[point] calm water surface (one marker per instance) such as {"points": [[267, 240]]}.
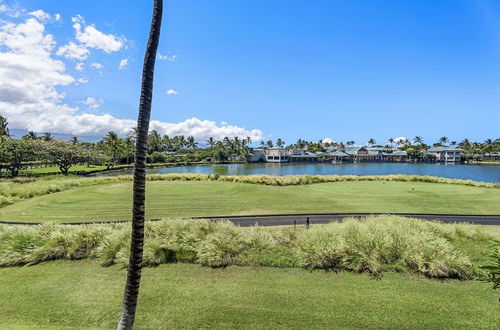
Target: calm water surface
{"points": [[488, 173]]}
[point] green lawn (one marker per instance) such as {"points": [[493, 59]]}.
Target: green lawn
{"points": [[56, 170], [208, 198], [82, 294]]}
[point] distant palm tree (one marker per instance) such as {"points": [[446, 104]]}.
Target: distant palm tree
{"points": [[74, 140], [269, 143], [191, 143], [30, 136], [391, 141], [181, 141], [4, 130], [211, 142], [443, 140], [114, 144], [418, 140], [371, 141], [155, 143], [465, 144], [139, 190], [280, 143], [47, 137]]}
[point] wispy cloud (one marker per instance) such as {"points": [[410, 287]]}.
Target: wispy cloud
{"points": [[93, 103], [170, 58], [96, 66], [123, 63], [172, 92]]}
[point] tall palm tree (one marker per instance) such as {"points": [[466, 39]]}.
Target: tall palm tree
{"points": [[371, 141], [139, 190]]}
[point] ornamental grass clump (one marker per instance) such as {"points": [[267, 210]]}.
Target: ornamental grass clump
{"points": [[371, 245], [28, 245], [382, 243]]}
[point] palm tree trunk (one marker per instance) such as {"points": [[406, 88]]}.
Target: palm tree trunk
{"points": [[139, 192]]}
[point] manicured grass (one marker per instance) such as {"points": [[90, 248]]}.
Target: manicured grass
{"points": [[76, 169], [83, 294], [208, 198]]}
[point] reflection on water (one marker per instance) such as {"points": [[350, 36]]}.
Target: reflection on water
{"points": [[488, 173]]}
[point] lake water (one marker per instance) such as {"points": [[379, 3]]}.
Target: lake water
{"points": [[488, 173]]}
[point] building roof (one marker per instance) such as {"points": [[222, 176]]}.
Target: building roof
{"points": [[305, 155], [351, 150], [440, 149], [338, 154]]}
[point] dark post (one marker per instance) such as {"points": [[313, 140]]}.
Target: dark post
{"points": [[307, 222]]}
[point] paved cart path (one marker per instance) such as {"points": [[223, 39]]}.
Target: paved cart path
{"points": [[315, 218]]}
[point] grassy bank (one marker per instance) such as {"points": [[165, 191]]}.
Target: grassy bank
{"points": [[372, 245], [93, 199], [81, 294]]}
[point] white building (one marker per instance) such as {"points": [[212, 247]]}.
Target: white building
{"points": [[445, 154]]}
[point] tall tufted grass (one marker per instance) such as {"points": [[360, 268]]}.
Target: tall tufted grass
{"points": [[372, 245]]}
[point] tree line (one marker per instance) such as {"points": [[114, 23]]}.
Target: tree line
{"points": [[34, 150]]}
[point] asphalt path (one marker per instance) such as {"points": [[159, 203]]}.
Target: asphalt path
{"points": [[315, 218]]}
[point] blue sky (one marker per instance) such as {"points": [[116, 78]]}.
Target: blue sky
{"points": [[346, 70]]}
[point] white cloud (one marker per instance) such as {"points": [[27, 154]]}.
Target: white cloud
{"points": [[11, 11], [170, 58], [327, 140], [96, 65], [30, 77], [40, 14], [172, 92], [93, 38], [123, 63], [79, 66], [73, 51], [28, 72], [203, 129], [57, 17], [93, 103], [83, 80], [400, 139]]}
